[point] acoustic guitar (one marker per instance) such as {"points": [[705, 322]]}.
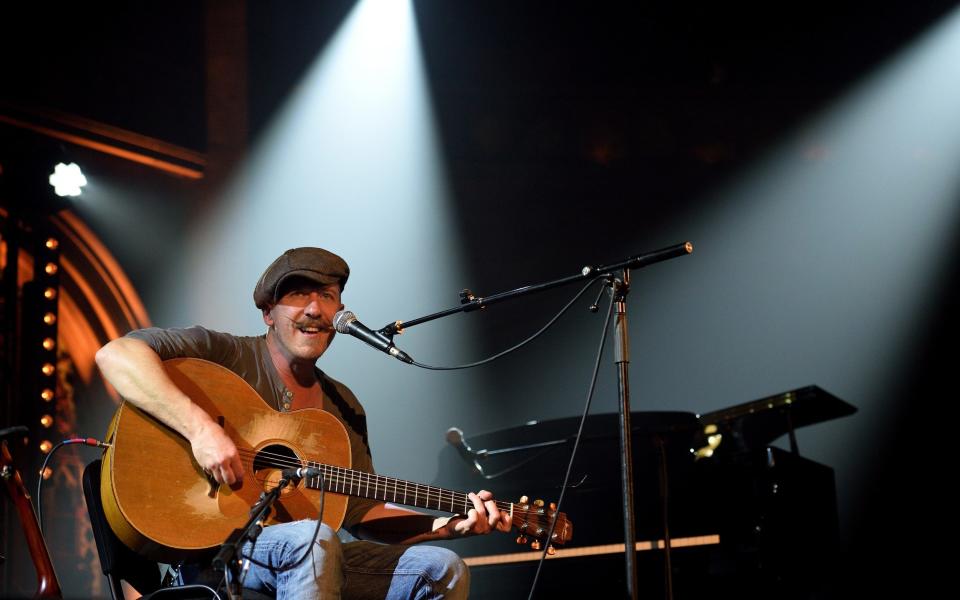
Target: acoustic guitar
{"points": [[161, 504]]}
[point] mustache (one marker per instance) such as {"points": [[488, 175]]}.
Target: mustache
{"points": [[321, 324]]}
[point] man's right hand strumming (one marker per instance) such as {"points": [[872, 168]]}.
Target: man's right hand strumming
{"points": [[216, 454]]}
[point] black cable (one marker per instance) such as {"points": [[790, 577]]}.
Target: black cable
{"points": [[43, 470], [576, 443], [86, 441], [178, 592], [309, 549], [521, 344]]}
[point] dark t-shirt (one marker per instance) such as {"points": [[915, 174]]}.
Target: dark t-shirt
{"points": [[249, 358]]}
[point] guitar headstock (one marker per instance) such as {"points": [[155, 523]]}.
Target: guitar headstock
{"points": [[533, 520]]}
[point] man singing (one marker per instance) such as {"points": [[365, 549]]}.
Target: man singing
{"points": [[298, 294]]}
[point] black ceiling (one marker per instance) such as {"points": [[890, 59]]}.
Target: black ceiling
{"points": [[624, 65]]}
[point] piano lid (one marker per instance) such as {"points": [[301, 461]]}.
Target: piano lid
{"points": [[548, 443], [742, 428], [760, 422]]}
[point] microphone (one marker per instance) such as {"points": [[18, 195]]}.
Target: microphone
{"points": [[346, 322], [300, 473], [455, 439]]}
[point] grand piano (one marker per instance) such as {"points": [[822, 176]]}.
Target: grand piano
{"points": [[729, 513]]}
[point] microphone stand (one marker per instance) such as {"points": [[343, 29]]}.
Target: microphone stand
{"points": [[621, 287], [622, 359], [228, 557]]}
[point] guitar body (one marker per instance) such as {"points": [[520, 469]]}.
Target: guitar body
{"points": [[159, 501]]}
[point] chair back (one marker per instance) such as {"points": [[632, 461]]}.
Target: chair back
{"points": [[117, 561]]}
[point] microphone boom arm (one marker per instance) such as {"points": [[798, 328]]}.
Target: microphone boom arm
{"points": [[471, 303]]}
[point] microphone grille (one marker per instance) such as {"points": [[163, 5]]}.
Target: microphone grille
{"points": [[342, 319], [455, 436]]}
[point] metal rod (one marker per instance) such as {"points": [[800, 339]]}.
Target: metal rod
{"points": [[622, 360], [635, 262]]}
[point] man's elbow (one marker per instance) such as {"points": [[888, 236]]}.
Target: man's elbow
{"points": [[109, 354]]}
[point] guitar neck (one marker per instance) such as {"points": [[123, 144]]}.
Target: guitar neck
{"points": [[350, 482]]}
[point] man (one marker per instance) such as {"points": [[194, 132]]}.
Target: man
{"points": [[299, 294]]}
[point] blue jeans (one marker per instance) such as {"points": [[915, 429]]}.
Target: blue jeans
{"points": [[354, 570]]}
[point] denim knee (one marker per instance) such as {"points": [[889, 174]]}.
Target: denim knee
{"points": [[450, 574], [327, 544], [292, 539], [283, 546]]}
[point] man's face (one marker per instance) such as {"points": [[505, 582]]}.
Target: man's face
{"points": [[302, 319]]}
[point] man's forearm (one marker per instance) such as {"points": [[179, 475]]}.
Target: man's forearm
{"points": [[395, 525], [137, 373]]}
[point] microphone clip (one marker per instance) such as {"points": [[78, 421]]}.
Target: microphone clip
{"points": [[295, 474], [391, 329]]}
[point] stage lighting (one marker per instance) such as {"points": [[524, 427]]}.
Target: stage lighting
{"points": [[67, 179]]}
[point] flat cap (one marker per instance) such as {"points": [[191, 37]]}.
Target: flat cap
{"points": [[315, 264]]}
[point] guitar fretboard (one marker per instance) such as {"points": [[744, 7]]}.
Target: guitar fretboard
{"points": [[350, 482]]}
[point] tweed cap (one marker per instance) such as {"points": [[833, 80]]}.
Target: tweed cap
{"points": [[315, 264]]}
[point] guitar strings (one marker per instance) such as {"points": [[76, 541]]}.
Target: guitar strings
{"points": [[344, 477]]}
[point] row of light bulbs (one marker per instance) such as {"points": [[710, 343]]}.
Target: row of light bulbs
{"points": [[49, 344]]}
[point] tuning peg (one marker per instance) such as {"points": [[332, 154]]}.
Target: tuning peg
{"points": [[551, 550], [522, 539], [524, 500], [535, 544], [538, 503]]}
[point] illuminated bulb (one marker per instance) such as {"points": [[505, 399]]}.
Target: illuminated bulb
{"points": [[51, 268], [46, 420], [48, 369], [52, 243], [47, 473], [50, 293], [45, 446], [49, 318], [67, 180], [49, 344], [47, 395]]}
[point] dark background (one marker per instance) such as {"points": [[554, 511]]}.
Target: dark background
{"points": [[572, 133]]}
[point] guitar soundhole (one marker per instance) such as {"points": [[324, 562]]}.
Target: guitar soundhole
{"points": [[273, 457]]}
